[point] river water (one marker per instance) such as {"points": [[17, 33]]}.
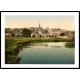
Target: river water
{"points": [[47, 53]]}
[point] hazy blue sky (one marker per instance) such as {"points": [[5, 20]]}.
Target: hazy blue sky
{"points": [[17, 21]]}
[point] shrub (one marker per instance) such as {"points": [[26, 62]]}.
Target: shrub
{"points": [[69, 44]]}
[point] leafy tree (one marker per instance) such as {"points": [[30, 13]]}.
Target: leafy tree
{"points": [[26, 33], [33, 35], [40, 35], [13, 35], [8, 30], [52, 35], [62, 34], [46, 31], [16, 30]]}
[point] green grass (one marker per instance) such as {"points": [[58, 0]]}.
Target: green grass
{"points": [[38, 39]]}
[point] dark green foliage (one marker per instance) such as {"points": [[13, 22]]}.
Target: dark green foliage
{"points": [[62, 34], [26, 33], [8, 30], [40, 36], [16, 30], [13, 35], [33, 35], [46, 31], [70, 44]]}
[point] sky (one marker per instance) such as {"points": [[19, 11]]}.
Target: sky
{"points": [[24, 21]]}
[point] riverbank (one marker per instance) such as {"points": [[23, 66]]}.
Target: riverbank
{"points": [[39, 39]]}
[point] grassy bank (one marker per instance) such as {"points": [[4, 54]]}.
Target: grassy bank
{"points": [[40, 39]]}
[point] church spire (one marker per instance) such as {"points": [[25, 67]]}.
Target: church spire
{"points": [[39, 25]]}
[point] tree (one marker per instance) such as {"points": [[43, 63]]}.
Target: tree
{"points": [[40, 36], [33, 35], [46, 31], [8, 30], [26, 32], [49, 36], [52, 35], [13, 35], [62, 34], [16, 30]]}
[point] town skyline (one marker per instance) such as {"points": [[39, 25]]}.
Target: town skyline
{"points": [[62, 22]]}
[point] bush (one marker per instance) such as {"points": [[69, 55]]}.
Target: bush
{"points": [[70, 44]]}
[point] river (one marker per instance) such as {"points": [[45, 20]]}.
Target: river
{"points": [[47, 53]]}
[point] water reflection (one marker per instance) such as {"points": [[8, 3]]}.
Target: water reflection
{"points": [[47, 53], [47, 45]]}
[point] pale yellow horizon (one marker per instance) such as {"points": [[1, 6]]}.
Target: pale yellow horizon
{"points": [[17, 21]]}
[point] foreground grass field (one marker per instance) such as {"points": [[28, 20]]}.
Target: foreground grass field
{"points": [[13, 46]]}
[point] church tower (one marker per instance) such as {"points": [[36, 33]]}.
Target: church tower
{"points": [[39, 25]]}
